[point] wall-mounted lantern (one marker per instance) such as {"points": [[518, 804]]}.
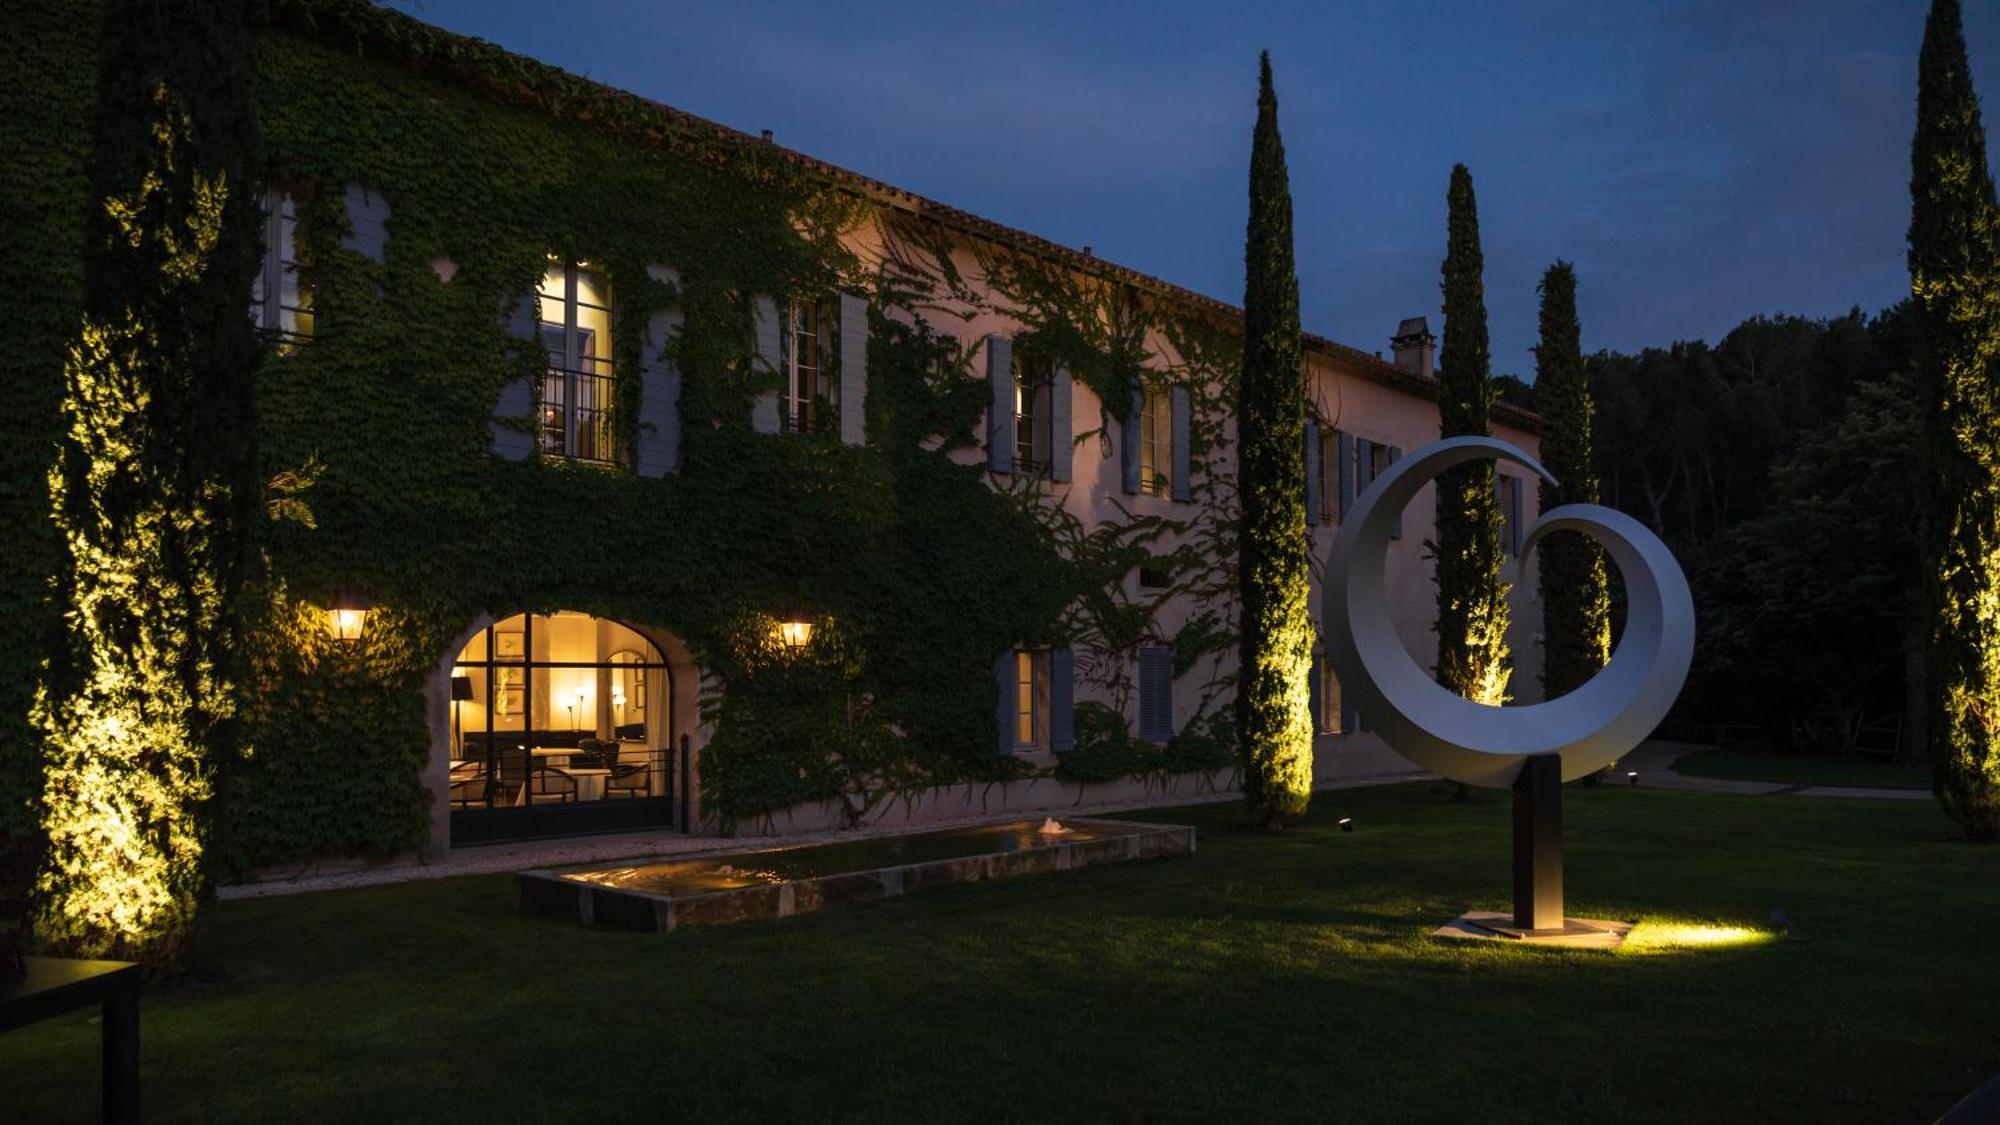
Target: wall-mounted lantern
{"points": [[347, 616], [795, 629]]}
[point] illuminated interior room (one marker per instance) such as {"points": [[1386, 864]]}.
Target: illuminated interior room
{"points": [[559, 720]]}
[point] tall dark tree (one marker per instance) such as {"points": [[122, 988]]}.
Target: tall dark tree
{"points": [[1576, 598], [1953, 278], [1273, 723], [1471, 598], [154, 489]]}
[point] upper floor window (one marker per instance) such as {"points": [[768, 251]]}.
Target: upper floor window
{"points": [[577, 390], [1328, 485], [1156, 443], [812, 392], [281, 296], [1034, 415]]}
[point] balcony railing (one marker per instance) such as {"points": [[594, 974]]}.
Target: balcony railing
{"points": [[577, 416]]}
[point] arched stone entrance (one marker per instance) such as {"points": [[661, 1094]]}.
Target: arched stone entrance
{"points": [[560, 724]]}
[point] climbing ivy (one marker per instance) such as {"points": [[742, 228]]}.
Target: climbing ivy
{"points": [[44, 187], [375, 437]]}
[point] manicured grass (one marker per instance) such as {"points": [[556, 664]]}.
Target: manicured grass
{"points": [[1270, 977], [1782, 768]]}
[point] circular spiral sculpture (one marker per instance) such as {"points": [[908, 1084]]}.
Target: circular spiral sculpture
{"points": [[1588, 728]]}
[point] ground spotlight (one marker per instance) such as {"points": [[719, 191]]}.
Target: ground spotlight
{"points": [[1632, 777], [1347, 824]]}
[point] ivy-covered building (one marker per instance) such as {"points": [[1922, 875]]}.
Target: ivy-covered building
{"points": [[626, 470]]}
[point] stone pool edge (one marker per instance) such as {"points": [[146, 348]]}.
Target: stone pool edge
{"points": [[544, 892]]}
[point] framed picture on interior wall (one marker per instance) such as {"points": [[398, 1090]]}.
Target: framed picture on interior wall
{"points": [[507, 691], [509, 644]]}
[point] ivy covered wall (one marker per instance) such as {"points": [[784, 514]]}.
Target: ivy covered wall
{"points": [[919, 565], [43, 186]]}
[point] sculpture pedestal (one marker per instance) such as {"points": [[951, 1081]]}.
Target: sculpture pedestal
{"points": [[1538, 844], [1538, 873], [1594, 933]]}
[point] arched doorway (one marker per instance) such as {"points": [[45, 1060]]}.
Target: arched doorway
{"points": [[563, 724]]}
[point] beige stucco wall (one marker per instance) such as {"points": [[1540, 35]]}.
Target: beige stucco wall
{"points": [[1343, 397]]}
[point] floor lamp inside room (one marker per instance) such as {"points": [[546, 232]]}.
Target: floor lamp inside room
{"points": [[461, 691]]}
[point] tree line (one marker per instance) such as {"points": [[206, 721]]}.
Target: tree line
{"points": [[1831, 486]]}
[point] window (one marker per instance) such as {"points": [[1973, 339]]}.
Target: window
{"points": [[1156, 443], [1034, 415], [558, 709], [1329, 475], [1327, 721], [577, 391], [812, 389], [1031, 694], [1153, 577], [1378, 462], [281, 304]]}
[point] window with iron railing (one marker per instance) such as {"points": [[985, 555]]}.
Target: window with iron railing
{"points": [[577, 391], [1330, 471], [812, 384], [281, 296], [1156, 443], [1034, 416]]}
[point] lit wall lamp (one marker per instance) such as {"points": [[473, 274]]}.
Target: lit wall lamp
{"points": [[795, 629], [348, 615]]}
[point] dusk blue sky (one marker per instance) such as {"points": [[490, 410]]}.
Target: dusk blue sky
{"points": [[1699, 161]]}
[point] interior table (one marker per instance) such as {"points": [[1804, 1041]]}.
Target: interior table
{"points": [[589, 781], [55, 985]]}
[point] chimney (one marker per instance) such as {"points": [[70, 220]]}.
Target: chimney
{"points": [[1415, 347]]}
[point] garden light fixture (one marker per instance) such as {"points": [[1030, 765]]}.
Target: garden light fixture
{"points": [[348, 615], [795, 629]]}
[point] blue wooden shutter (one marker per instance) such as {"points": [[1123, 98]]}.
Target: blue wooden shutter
{"points": [[367, 222], [659, 431], [1156, 693], [1183, 458], [511, 427], [1000, 413], [853, 369], [1061, 443], [1313, 455], [1007, 688], [1062, 700], [768, 338], [1396, 529], [1344, 447], [1128, 441]]}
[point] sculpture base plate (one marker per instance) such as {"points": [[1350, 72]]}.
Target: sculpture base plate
{"points": [[1591, 933]]}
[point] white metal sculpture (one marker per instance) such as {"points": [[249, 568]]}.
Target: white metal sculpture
{"points": [[1486, 746]]}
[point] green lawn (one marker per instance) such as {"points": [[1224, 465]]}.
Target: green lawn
{"points": [[1783, 768], [1270, 977]]}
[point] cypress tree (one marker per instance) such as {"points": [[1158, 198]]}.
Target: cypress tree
{"points": [[154, 490], [1273, 723], [1953, 276], [1471, 598], [1576, 600]]}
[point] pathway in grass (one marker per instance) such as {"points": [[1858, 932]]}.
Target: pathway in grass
{"points": [[1795, 769], [1278, 976]]}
